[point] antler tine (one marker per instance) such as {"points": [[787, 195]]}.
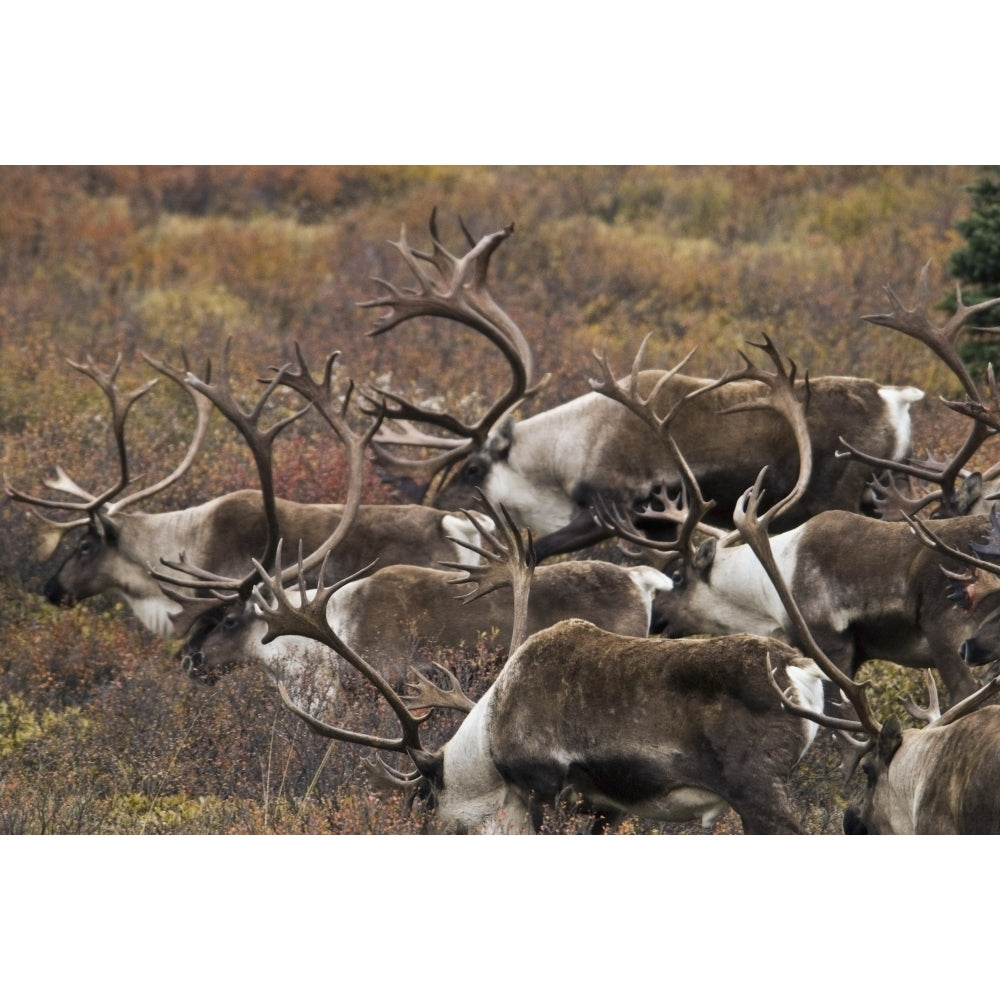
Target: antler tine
{"points": [[933, 710], [63, 483], [687, 511], [783, 399], [629, 396], [384, 776], [355, 443], [308, 619], [755, 535], [928, 537], [50, 533], [509, 562], [783, 375], [453, 288], [967, 705], [986, 413], [260, 443], [430, 695], [203, 411], [121, 403], [916, 323], [832, 722], [407, 436], [891, 503]]}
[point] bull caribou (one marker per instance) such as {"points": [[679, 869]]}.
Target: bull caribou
{"points": [[549, 469], [119, 544], [942, 779], [400, 615], [665, 730], [867, 588]]}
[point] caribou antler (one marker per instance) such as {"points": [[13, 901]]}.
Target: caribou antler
{"points": [[933, 710], [978, 409], [782, 398], [942, 340], [991, 547], [88, 503], [451, 288], [307, 617], [508, 561], [689, 509], [428, 695], [753, 530], [319, 395], [628, 394]]}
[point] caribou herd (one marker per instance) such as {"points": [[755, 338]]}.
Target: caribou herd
{"points": [[687, 677]]}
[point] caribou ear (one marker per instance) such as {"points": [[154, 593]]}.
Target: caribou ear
{"points": [[430, 765], [501, 439], [889, 740], [705, 556]]}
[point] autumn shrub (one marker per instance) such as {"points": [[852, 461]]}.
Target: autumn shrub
{"points": [[100, 731]]}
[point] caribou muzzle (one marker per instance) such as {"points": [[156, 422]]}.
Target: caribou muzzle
{"points": [[57, 594]]}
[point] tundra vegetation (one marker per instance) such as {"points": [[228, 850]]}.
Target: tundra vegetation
{"points": [[100, 729]]}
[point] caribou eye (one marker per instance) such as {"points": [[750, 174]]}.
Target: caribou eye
{"points": [[869, 771], [677, 578]]}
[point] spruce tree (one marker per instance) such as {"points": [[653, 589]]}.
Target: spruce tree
{"points": [[977, 267]]}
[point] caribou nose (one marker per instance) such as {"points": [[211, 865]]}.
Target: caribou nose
{"points": [[973, 654], [191, 664], [56, 594]]}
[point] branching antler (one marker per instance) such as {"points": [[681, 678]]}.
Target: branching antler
{"points": [[687, 511], [319, 395], [991, 547], [942, 340], [306, 616], [88, 503], [754, 533], [690, 507], [429, 695], [508, 561], [628, 394], [451, 288]]}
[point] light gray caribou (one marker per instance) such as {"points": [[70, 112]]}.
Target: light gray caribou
{"points": [[400, 615], [611, 724], [549, 469], [941, 779], [119, 544]]}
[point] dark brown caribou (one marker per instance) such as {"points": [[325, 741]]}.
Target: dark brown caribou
{"points": [[867, 588], [666, 730], [549, 469], [941, 779]]}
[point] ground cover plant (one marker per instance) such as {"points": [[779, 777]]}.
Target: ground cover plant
{"points": [[100, 731]]}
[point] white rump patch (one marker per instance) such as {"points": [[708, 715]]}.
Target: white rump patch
{"points": [[898, 399], [458, 529], [806, 680], [650, 581]]}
